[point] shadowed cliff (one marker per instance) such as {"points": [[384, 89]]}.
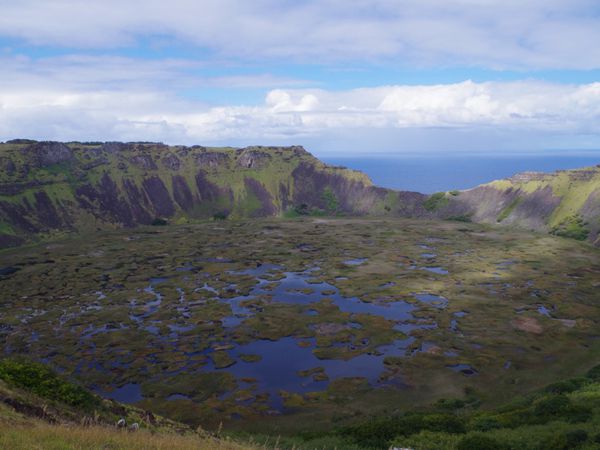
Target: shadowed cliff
{"points": [[565, 203], [50, 186]]}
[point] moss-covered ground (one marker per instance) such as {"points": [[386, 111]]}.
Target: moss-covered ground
{"points": [[175, 318]]}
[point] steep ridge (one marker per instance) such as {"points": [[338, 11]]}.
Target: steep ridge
{"points": [[565, 203], [48, 187]]}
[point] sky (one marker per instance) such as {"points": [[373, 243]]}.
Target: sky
{"points": [[341, 77]]}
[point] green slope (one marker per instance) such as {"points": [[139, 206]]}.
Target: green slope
{"points": [[565, 203]]}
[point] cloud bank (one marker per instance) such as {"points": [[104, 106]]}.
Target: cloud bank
{"points": [[556, 34], [116, 98]]}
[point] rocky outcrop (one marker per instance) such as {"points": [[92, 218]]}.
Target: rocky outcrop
{"points": [[310, 185], [257, 189], [159, 196], [211, 160], [171, 162], [252, 158], [590, 212], [512, 206], [105, 202], [42, 154], [139, 204], [114, 147], [7, 166], [145, 162], [182, 193]]}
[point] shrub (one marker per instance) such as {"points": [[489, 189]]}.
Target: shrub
{"points": [[478, 442], [330, 200], [552, 406], [375, 433], [578, 413], [427, 440], [435, 201], [450, 403], [446, 423], [557, 441], [571, 227], [485, 423], [566, 386], [378, 433], [302, 209], [221, 215], [576, 437], [21, 141], [158, 222], [460, 218], [594, 373], [514, 418], [40, 380], [564, 441]]}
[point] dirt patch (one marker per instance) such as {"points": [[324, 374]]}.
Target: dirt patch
{"points": [[527, 324]]}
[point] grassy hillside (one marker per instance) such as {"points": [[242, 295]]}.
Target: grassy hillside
{"points": [[49, 188], [561, 416], [41, 410], [565, 203]]}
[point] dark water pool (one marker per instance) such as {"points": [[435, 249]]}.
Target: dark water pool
{"points": [[281, 361]]}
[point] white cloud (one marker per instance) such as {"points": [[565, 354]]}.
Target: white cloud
{"points": [[281, 101], [84, 73], [487, 33], [42, 101]]}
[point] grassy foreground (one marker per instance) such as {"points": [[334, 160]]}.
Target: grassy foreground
{"points": [[39, 409], [44, 436]]}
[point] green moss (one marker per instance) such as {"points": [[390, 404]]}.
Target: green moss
{"points": [[250, 358], [436, 201], [222, 359], [571, 227], [331, 201], [461, 218], [509, 209], [6, 228]]}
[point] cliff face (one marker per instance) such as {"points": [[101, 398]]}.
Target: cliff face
{"points": [[565, 203], [51, 186], [48, 186]]}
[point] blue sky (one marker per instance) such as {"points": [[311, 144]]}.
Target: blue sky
{"points": [[340, 77]]}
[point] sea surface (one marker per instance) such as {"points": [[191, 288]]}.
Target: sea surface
{"points": [[435, 173]]}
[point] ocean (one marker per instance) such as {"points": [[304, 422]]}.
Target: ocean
{"points": [[434, 173]]}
